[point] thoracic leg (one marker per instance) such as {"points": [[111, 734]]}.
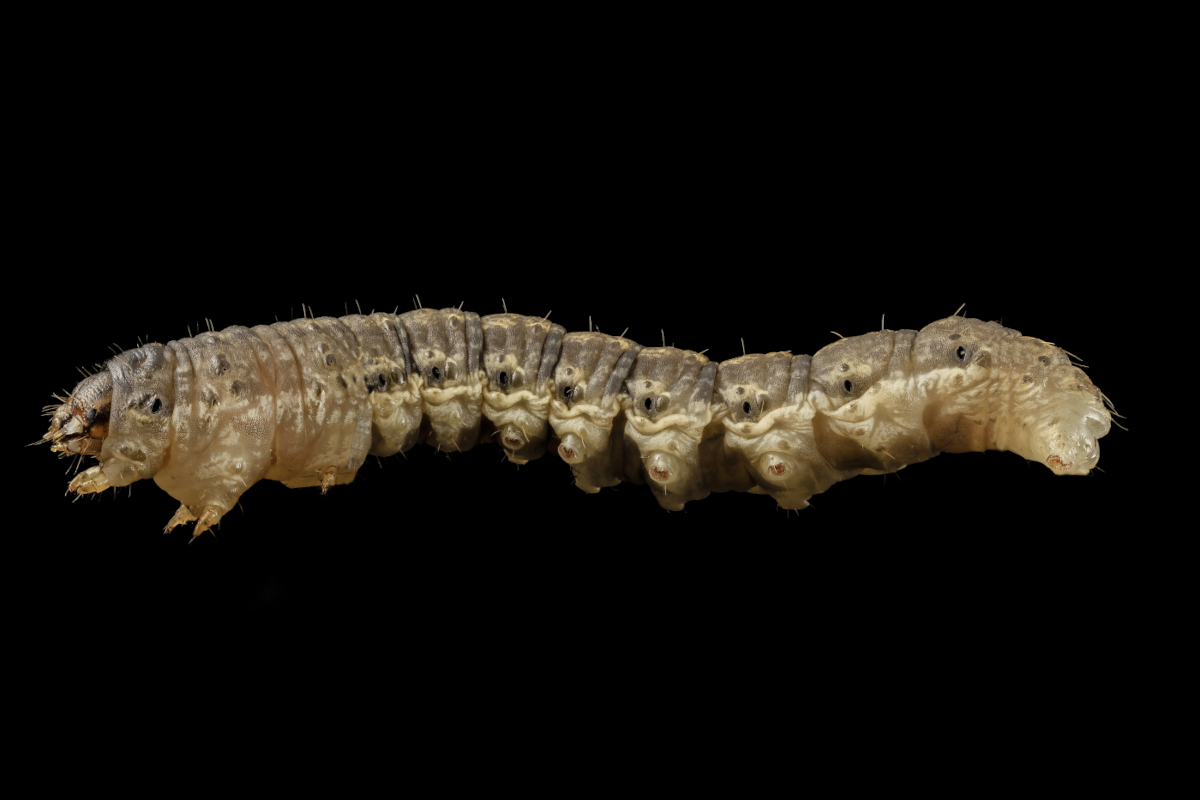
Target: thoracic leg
{"points": [[208, 503], [182, 515], [206, 521], [90, 480]]}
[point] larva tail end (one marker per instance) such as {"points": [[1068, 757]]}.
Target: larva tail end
{"points": [[1068, 442]]}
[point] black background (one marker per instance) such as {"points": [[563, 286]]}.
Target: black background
{"points": [[765, 221]]}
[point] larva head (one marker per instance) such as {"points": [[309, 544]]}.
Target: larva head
{"points": [[143, 398], [80, 424], [989, 387]]}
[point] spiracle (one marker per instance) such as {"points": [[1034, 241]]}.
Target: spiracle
{"points": [[307, 402]]}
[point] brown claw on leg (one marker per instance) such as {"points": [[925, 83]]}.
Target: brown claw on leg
{"points": [[183, 515], [328, 478], [206, 521]]}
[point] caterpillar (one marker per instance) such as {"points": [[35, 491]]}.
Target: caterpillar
{"points": [[306, 402]]}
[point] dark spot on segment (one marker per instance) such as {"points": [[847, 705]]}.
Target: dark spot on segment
{"points": [[342, 381], [649, 403], [1044, 360], [746, 408], [567, 392], [154, 408], [504, 379], [238, 389], [91, 415], [436, 373], [961, 353], [848, 386], [1027, 379], [954, 336], [330, 360]]}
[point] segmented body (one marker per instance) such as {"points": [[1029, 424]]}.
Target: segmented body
{"points": [[305, 403]]}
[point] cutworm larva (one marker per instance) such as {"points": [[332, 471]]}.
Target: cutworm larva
{"points": [[307, 402]]}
